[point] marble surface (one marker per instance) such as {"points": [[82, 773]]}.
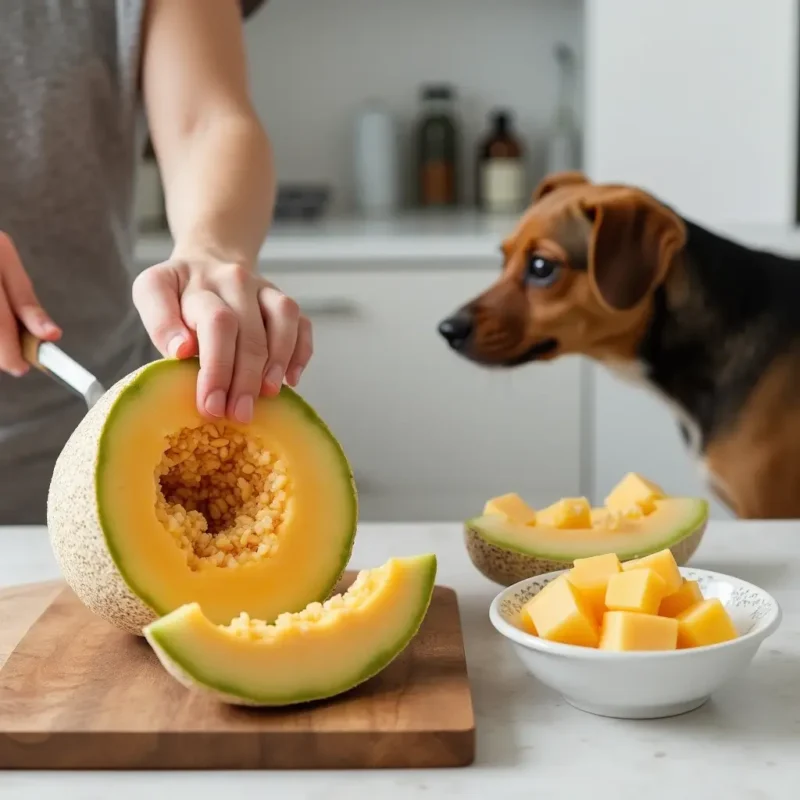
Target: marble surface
{"points": [[742, 744]]}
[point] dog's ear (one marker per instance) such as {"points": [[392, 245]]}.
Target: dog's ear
{"points": [[631, 246], [556, 180]]}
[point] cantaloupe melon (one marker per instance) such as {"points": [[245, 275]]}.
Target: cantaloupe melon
{"points": [[152, 507], [320, 652], [643, 520]]}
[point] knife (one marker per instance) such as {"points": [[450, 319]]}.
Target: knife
{"points": [[54, 362]]}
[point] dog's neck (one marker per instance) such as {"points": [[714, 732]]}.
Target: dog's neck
{"points": [[723, 313]]}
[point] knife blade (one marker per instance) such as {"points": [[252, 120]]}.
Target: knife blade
{"points": [[54, 362]]}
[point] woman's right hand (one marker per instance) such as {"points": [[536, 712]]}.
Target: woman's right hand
{"points": [[18, 305]]}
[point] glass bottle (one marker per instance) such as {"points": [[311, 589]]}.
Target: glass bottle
{"points": [[437, 148], [563, 142], [501, 167]]}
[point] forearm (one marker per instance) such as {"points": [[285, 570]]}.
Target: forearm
{"points": [[220, 190]]}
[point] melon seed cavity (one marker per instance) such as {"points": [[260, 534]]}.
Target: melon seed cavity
{"points": [[221, 495]]}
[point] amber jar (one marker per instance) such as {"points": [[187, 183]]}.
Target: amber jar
{"points": [[501, 167], [437, 138]]}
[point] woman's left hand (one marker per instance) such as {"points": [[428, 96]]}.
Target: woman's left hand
{"points": [[249, 336]]}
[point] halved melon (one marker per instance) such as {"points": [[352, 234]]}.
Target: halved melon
{"points": [[152, 507], [320, 652], [507, 551]]}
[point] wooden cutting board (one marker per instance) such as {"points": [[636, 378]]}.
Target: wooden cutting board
{"points": [[75, 693]]}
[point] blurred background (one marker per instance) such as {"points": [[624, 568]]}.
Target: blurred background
{"points": [[408, 136]]}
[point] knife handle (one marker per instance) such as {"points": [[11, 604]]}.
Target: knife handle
{"points": [[30, 349]]}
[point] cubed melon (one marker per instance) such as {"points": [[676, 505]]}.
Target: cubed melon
{"points": [[631, 630], [705, 623], [591, 575], [563, 615], [634, 491], [688, 595], [512, 508], [640, 590], [662, 562], [570, 512], [525, 612]]}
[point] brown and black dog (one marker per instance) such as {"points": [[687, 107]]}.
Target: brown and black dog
{"points": [[612, 273]]}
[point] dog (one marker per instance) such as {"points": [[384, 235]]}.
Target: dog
{"points": [[609, 272]]}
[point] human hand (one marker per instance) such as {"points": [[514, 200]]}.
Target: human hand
{"points": [[248, 335], [19, 305]]}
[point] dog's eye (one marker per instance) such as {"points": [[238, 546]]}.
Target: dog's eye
{"points": [[542, 271]]}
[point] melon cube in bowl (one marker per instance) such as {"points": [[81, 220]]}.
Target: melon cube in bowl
{"points": [[686, 596], [627, 631], [640, 590], [563, 615], [705, 623], [591, 575]]}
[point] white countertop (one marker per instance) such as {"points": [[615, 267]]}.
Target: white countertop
{"points": [[459, 238], [742, 744]]}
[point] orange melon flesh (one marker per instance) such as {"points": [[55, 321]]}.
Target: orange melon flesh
{"points": [[591, 576], [321, 508], [512, 508], [672, 520], [562, 614], [102, 509], [634, 492], [626, 631], [688, 595], [569, 512], [664, 564], [641, 590], [705, 623], [320, 652]]}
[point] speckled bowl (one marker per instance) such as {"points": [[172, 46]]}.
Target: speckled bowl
{"points": [[506, 567], [646, 684]]}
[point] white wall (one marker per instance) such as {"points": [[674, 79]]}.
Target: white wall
{"points": [[696, 100], [313, 61]]}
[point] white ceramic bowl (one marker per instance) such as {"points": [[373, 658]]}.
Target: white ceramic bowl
{"points": [[647, 684]]}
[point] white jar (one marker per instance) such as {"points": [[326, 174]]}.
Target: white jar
{"points": [[375, 161]]}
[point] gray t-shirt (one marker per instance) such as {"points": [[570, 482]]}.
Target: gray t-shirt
{"points": [[71, 129]]}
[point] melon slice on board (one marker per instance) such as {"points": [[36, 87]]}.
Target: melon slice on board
{"points": [[320, 652], [151, 506]]}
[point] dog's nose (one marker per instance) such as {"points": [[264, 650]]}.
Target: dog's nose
{"points": [[457, 329]]}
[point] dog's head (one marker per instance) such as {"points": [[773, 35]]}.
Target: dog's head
{"points": [[578, 276]]}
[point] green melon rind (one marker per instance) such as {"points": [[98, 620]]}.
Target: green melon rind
{"points": [[505, 566], [79, 525], [192, 675]]}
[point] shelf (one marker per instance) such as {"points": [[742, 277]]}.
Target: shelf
{"points": [[461, 238]]}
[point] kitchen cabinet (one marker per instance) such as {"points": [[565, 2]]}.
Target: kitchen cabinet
{"points": [[431, 436]]}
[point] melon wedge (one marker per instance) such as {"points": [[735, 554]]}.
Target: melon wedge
{"points": [[323, 651], [507, 552], [152, 507]]}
